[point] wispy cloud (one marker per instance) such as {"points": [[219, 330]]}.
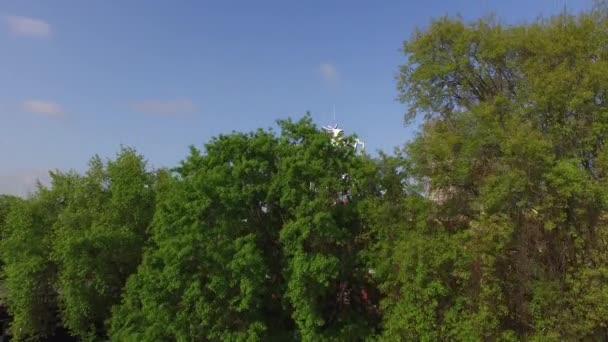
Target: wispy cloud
{"points": [[328, 72], [44, 108], [164, 107], [24, 26]]}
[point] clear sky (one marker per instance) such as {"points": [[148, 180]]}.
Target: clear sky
{"points": [[79, 78]]}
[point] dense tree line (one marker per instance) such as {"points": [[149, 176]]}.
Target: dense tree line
{"points": [[491, 224]]}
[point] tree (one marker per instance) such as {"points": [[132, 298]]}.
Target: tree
{"points": [[69, 248], [321, 185], [99, 237], [202, 277], [510, 242], [6, 202], [30, 273], [251, 244]]}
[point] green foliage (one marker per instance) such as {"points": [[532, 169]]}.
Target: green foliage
{"points": [[69, 248], [203, 277], [510, 161], [321, 237], [249, 245], [5, 206], [98, 239], [30, 273], [492, 224]]}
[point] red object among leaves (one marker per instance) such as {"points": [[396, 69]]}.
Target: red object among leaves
{"points": [[364, 295]]}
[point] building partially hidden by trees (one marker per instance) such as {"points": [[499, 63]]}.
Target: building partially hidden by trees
{"points": [[492, 224]]}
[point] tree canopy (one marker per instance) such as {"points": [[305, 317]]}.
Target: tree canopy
{"points": [[253, 243], [69, 248], [512, 155]]}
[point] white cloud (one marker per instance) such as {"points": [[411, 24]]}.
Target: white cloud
{"points": [[164, 107], [328, 72], [24, 26], [45, 108]]}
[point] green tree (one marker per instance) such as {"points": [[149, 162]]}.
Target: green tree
{"points": [[30, 273], [212, 263], [98, 239], [508, 239], [321, 185], [250, 243], [69, 248], [5, 205], [6, 201]]}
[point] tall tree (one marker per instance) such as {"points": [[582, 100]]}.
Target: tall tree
{"points": [[6, 201], [26, 247], [98, 239], [69, 248], [251, 243], [204, 276], [511, 242], [320, 185]]}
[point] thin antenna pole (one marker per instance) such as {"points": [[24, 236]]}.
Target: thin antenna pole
{"points": [[334, 113]]}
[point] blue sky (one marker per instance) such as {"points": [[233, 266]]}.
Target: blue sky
{"points": [[83, 77]]}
